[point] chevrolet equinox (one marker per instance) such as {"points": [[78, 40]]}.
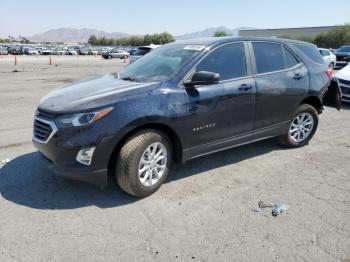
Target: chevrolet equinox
{"points": [[181, 101]]}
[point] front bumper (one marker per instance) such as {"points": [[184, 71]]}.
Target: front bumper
{"points": [[69, 168], [345, 91], [95, 177], [61, 148]]}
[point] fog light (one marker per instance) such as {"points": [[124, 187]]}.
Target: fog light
{"points": [[84, 156]]}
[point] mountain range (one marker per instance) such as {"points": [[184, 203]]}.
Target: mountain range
{"points": [[82, 35]]}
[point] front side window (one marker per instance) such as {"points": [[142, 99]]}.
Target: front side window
{"points": [[269, 57], [228, 61]]}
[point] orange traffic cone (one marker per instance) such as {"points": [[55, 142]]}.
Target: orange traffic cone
{"points": [[16, 60], [50, 60]]}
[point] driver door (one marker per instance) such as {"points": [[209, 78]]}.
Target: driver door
{"points": [[221, 115]]}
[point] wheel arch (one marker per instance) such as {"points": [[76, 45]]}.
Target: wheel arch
{"points": [[166, 129], [315, 102]]}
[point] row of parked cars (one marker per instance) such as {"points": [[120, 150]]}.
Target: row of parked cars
{"points": [[53, 50], [133, 54], [336, 58], [339, 59]]}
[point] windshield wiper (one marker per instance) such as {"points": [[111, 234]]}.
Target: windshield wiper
{"points": [[128, 78]]}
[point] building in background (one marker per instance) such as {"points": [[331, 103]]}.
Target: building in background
{"points": [[293, 32]]}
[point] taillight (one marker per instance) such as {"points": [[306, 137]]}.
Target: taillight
{"points": [[329, 73]]}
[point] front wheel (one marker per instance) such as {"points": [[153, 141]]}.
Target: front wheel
{"points": [[144, 163], [302, 127]]}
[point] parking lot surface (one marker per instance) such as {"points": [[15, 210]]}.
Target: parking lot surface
{"points": [[204, 211]]}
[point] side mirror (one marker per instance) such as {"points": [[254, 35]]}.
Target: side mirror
{"points": [[203, 78]]}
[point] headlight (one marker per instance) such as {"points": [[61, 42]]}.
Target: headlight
{"points": [[82, 119]]}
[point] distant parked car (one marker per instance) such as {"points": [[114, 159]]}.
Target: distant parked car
{"points": [[32, 51], [328, 57], [61, 52], [84, 51], [116, 53], [343, 79], [45, 51], [16, 50], [72, 52], [94, 52], [141, 51], [3, 50], [343, 55]]}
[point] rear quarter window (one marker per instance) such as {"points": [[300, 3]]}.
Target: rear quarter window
{"points": [[311, 52]]}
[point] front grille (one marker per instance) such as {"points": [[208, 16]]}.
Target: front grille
{"points": [[42, 130], [345, 90], [340, 58], [345, 82]]}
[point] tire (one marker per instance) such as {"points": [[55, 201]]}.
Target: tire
{"points": [[129, 163], [305, 111]]}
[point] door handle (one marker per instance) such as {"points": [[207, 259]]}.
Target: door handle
{"points": [[298, 76], [245, 87]]}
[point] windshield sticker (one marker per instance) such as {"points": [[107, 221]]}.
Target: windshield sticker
{"points": [[195, 47]]}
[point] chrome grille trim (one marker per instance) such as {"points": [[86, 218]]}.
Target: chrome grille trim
{"points": [[40, 130]]}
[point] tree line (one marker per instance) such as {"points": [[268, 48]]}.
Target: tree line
{"points": [[157, 39], [11, 39], [334, 38]]}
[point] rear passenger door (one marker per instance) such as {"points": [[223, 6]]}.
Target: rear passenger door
{"points": [[281, 82]]}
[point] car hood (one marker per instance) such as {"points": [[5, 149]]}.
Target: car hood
{"points": [[344, 73], [92, 93]]}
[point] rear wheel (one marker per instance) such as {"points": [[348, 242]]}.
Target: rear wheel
{"points": [[144, 163], [302, 128]]}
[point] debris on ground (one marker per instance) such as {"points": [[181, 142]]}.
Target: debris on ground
{"points": [[276, 208], [16, 71], [262, 204], [279, 209]]}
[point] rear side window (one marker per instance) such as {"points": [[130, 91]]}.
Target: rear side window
{"points": [[324, 52], [291, 61], [269, 57], [228, 61], [311, 52]]}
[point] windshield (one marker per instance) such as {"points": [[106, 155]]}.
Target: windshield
{"points": [[160, 64], [344, 49]]}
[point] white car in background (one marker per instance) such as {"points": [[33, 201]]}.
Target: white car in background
{"points": [[328, 57], [141, 51], [343, 79], [32, 51]]}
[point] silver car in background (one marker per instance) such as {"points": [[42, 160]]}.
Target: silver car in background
{"points": [[141, 51]]}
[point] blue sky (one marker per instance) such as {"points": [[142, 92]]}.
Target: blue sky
{"points": [[20, 17]]}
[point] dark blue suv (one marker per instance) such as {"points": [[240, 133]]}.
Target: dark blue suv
{"points": [[179, 102], [343, 55]]}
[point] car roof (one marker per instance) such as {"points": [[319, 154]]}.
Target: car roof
{"points": [[221, 40]]}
